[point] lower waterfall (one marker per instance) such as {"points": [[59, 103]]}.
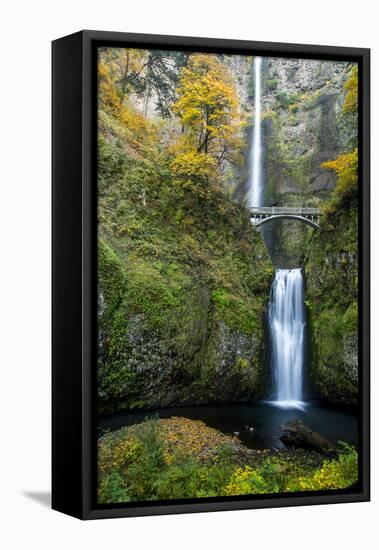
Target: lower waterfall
{"points": [[287, 327]]}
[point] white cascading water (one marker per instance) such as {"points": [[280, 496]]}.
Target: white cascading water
{"points": [[287, 326], [286, 309], [255, 183]]}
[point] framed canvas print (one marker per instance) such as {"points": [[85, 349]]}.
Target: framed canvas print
{"points": [[210, 274]]}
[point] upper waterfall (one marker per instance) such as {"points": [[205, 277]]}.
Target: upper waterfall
{"points": [[255, 189]]}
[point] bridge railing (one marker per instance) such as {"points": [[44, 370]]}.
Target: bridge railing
{"points": [[295, 210]]}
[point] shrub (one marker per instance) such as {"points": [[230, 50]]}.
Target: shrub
{"points": [[112, 489], [284, 100], [271, 84], [277, 475], [248, 481], [339, 473], [135, 465], [194, 171], [351, 100], [346, 168]]}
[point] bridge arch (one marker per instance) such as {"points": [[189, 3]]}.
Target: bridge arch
{"points": [[299, 218]]}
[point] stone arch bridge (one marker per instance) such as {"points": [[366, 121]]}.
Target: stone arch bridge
{"points": [[261, 215]]}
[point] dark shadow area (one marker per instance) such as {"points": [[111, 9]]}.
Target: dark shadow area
{"points": [[42, 497]]}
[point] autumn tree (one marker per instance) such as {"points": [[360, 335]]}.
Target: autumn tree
{"points": [[158, 77], [207, 108], [123, 64], [146, 73], [207, 104], [136, 136]]}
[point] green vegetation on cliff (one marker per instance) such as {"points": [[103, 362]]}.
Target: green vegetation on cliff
{"points": [[310, 118], [332, 286], [183, 277], [332, 289]]}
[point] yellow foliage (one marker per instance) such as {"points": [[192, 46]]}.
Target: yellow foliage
{"points": [[240, 482], [207, 107], [121, 63], [334, 474], [275, 475], [118, 456], [293, 108], [345, 165], [346, 168], [109, 100], [134, 121], [141, 131], [194, 170], [207, 103], [249, 481], [351, 100]]}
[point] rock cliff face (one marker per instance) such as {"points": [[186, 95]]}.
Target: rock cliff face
{"points": [[303, 122], [331, 269], [168, 338], [304, 125]]}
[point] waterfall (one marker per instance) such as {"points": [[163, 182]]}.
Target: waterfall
{"points": [[255, 183], [287, 324], [286, 308]]}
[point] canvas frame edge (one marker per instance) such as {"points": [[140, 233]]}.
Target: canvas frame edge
{"points": [[82, 281]]}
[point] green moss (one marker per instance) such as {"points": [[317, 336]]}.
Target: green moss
{"points": [[310, 100], [350, 319], [111, 280], [150, 293], [285, 100], [271, 84], [332, 295], [235, 312], [166, 252], [298, 170]]}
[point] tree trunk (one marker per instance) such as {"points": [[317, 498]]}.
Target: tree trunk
{"points": [[147, 95]]}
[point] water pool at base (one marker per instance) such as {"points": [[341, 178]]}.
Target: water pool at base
{"points": [[256, 424]]}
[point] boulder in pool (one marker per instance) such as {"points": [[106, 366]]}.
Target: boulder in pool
{"points": [[296, 434]]}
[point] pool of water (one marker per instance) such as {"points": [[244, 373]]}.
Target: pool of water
{"points": [[256, 424]]}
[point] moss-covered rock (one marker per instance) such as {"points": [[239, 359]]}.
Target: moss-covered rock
{"points": [[182, 303], [331, 269], [305, 124], [172, 340]]}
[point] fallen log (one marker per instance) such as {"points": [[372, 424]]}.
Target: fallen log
{"points": [[296, 434]]}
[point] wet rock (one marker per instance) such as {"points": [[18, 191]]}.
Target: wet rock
{"points": [[331, 271], [296, 434]]}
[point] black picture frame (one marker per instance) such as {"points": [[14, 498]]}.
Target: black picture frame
{"points": [[74, 272]]}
